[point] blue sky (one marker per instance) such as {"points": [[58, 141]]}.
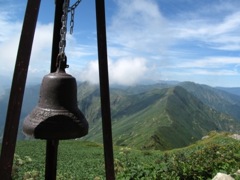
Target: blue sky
{"points": [[148, 41]]}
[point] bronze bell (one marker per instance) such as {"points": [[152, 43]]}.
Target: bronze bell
{"points": [[57, 115]]}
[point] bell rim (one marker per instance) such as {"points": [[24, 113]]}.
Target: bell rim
{"points": [[40, 115]]}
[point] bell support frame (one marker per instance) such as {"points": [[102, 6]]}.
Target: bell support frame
{"points": [[17, 89]]}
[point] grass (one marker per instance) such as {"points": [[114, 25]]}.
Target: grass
{"points": [[76, 159], [85, 160]]}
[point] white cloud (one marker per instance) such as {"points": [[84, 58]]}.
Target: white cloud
{"points": [[40, 56], [210, 62], [8, 51], [146, 39], [138, 27], [206, 72], [9, 34], [40, 60], [42, 44], [217, 33], [126, 71], [90, 73]]}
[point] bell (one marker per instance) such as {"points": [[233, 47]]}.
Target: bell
{"points": [[57, 115]]}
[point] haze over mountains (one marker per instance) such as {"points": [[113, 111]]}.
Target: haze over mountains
{"points": [[158, 116]]}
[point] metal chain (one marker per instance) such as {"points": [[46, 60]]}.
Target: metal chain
{"points": [[63, 30], [72, 10]]}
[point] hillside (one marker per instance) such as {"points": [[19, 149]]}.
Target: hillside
{"points": [[157, 116], [30, 100], [215, 98], [191, 119], [161, 118], [232, 90], [84, 160]]}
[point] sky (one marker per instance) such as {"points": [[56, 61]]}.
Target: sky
{"points": [[148, 41]]}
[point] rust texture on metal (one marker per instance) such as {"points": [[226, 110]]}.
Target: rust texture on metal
{"points": [[104, 89], [57, 115], [17, 89], [51, 159], [52, 145], [56, 35]]}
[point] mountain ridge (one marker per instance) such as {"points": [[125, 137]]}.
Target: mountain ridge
{"points": [[162, 106], [158, 116], [215, 98]]}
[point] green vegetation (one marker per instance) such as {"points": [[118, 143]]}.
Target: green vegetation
{"points": [[147, 123], [160, 117], [76, 160], [84, 160]]}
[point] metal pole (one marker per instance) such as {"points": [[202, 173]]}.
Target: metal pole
{"points": [[56, 33], [51, 159], [52, 145], [17, 89], [104, 90]]}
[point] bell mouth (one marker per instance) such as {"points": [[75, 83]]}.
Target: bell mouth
{"points": [[55, 124]]}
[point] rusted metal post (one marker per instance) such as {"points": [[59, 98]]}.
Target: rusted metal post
{"points": [[17, 89], [51, 159], [56, 33], [104, 90]]}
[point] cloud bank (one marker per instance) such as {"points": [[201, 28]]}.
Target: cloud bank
{"points": [[121, 72]]}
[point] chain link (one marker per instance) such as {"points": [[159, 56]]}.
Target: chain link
{"points": [[72, 11], [63, 30]]}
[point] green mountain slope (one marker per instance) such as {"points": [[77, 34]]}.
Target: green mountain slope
{"points": [[161, 119], [217, 99], [191, 120], [85, 160], [158, 116]]}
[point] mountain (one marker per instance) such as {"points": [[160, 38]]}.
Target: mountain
{"points": [[215, 98], [30, 100], [190, 120], [157, 116], [232, 90]]}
